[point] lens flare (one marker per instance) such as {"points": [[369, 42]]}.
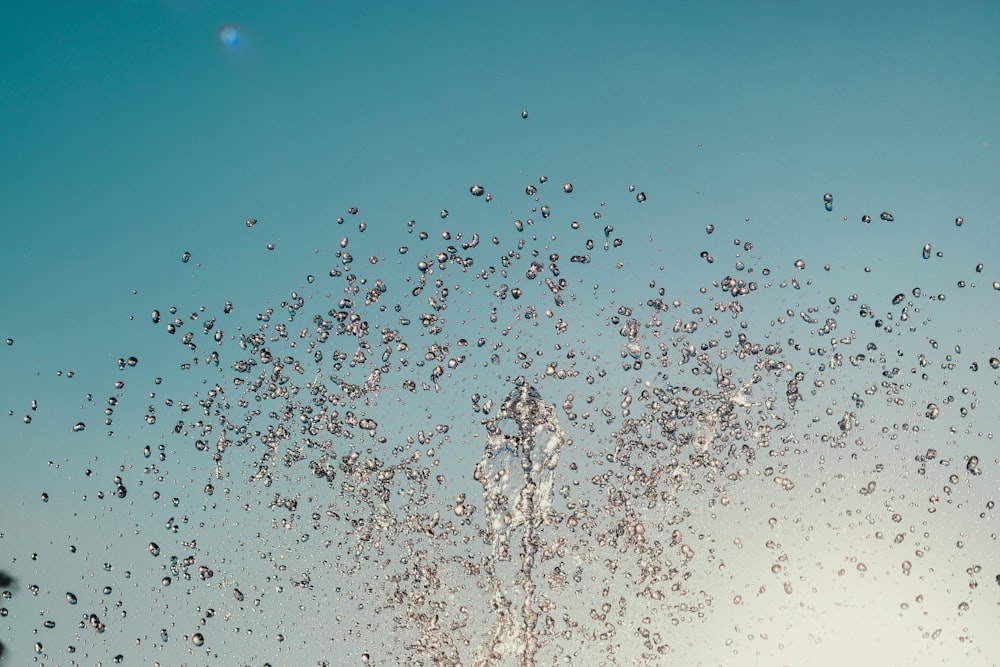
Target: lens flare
{"points": [[229, 36]]}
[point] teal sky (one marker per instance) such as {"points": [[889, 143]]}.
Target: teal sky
{"points": [[131, 134]]}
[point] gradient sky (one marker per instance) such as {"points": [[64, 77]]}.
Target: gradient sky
{"points": [[131, 134]]}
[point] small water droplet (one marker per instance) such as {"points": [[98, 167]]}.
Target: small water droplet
{"points": [[567, 187], [641, 197], [477, 190]]}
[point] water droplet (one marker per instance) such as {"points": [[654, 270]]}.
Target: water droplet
{"points": [[186, 257], [709, 228], [641, 197], [444, 213], [197, 639], [926, 252], [79, 426], [154, 548], [524, 114], [959, 220], [932, 411], [477, 190], [867, 219], [567, 187], [70, 598], [886, 216], [800, 264], [828, 201]]}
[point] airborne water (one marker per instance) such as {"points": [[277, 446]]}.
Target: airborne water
{"points": [[515, 420], [480, 463]]}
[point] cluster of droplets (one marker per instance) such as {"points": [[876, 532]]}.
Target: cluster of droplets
{"points": [[694, 407]]}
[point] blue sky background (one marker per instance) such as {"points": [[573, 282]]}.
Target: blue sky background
{"points": [[132, 135]]}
